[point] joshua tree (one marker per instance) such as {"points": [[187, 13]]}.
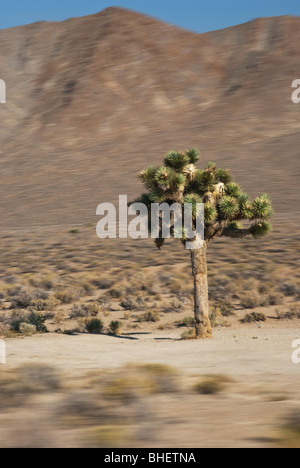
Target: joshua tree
{"points": [[226, 206]]}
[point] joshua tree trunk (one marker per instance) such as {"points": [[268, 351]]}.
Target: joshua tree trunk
{"points": [[199, 266]]}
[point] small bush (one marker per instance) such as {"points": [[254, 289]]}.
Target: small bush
{"points": [[38, 320], [254, 317], [186, 322], [66, 296], [289, 289], [290, 433], [115, 293], [188, 335], [27, 328], [22, 301], [292, 313], [149, 317], [226, 307], [86, 310], [215, 314], [94, 326], [212, 385], [275, 299], [129, 304], [250, 301], [115, 327]]}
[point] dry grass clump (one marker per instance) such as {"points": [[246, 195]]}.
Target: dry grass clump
{"points": [[289, 289], [150, 316], [254, 317], [215, 315], [91, 309], [292, 313], [137, 381], [188, 335], [115, 327], [66, 296], [186, 322], [226, 307], [290, 432], [94, 326], [212, 384], [250, 301]]}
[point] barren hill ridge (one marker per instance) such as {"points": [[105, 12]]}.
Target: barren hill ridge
{"points": [[91, 100]]}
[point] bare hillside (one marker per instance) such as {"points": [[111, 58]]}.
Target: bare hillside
{"points": [[91, 100]]}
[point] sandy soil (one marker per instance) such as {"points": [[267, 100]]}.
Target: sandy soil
{"points": [[250, 351], [251, 412]]}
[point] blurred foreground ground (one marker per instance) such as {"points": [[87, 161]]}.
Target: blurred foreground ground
{"points": [[240, 389]]}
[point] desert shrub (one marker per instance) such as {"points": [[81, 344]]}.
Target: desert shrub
{"points": [[40, 294], [86, 310], [66, 296], [175, 306], [254, 317], [37, 320], [275, 299], [264, 288], [163, 377], [188, 335], [226, 307], [215, 314], [94, 326], [293, 312], [39, 378], [290, 432], [104, 283], [212, 385], [39, 304], [115, 293], [289, 289], [186, 322], [21, 301], [51, 304], [129, 304], [250, 301], [115, 327], [149, 317], [27, 328], [15, 291]]}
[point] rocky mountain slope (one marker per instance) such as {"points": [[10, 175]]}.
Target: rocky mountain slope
{"points": [[92, 100]]}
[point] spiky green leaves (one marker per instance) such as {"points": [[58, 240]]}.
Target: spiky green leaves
{"points": [[148, 177], [262, 208], [193, 155], [223, 175], [177, 160], [157, 196], [235, 230], [193, 200], [228, 207], [205, 181], [210, 214], [163, 178], [179, 181], [259, 230], [245, 206], [233, 190]]}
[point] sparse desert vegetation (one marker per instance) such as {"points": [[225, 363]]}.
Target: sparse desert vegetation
{"points": [[40, 289]]}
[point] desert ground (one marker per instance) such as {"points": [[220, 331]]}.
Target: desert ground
{"points": [[144, 383]]}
